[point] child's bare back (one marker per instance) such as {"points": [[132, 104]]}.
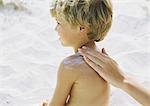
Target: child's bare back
{"points": [[78, 80], [80, 22]]}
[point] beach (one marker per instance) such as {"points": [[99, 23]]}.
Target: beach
{"points": [[30, 50]]}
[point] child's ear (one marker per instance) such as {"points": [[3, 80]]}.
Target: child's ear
{"points": [[82, 29]]}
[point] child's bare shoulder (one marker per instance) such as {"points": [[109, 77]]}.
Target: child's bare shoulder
{"points": [[69, 66], [73, 62]]}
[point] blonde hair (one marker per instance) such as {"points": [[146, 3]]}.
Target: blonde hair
{"points": [[93, 14]]}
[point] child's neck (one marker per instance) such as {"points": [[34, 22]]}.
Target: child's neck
{"points": [[90, 44]]}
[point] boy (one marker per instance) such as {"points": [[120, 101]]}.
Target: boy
{"points": [[80, 22]]}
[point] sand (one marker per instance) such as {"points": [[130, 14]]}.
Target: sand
{"points": [[30, 50]]}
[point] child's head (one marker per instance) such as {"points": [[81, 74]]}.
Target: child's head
{"points": [[81, 21]]}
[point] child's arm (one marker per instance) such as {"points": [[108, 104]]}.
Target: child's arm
{"points": [[65, 79]]}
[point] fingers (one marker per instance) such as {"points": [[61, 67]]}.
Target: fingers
{"points": [[91, 58], [96, 67], [100, 55], [92, 52]]}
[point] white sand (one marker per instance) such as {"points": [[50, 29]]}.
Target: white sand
{"points": [[30, 51]]}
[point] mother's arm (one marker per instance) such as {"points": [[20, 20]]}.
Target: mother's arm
{"points": [[108, 69]]}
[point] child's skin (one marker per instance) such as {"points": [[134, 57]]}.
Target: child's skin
{"points": [[75, 78]]}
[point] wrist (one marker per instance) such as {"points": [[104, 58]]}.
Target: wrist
{"points": [[126, 83]]}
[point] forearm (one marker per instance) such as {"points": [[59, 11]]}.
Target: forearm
{"points": [[138, 92]]}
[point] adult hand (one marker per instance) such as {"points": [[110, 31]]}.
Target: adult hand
{"points": [[105, 66], [109, 70]]}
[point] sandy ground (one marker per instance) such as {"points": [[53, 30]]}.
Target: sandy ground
{"points": [[30, 50]]}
